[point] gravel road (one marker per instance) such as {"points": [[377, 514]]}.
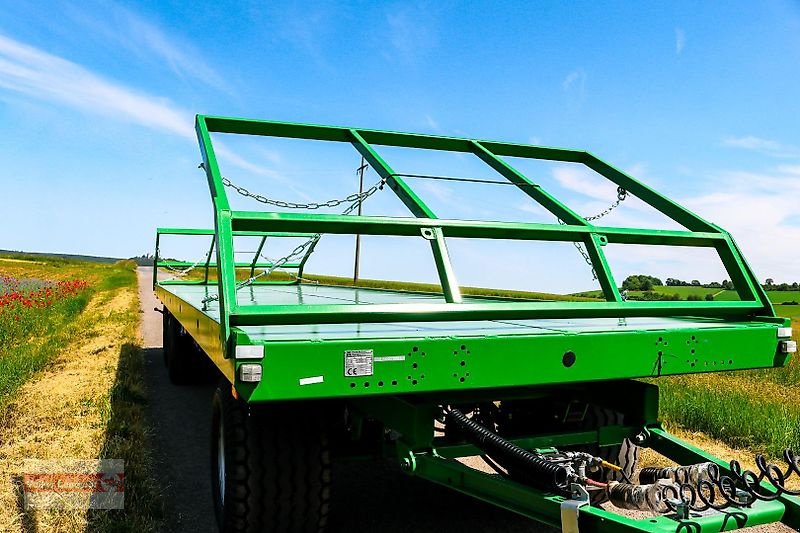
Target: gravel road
{"points": [[367, 497]]}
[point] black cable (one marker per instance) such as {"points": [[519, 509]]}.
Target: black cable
{"points": [[522, 465], [463, 180]]}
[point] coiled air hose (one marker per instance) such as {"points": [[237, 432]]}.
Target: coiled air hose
{"points": [[522, 465]]}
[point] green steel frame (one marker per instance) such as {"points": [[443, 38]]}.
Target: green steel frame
{"points": [[423, 371], [754, 301]]}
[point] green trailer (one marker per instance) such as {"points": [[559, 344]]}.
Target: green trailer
{"points": [[548, 393]]}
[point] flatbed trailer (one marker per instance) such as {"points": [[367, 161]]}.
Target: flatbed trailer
{"points": [[548, 392]]}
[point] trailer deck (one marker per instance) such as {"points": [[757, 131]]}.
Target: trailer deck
{"points": [[312, 294]]}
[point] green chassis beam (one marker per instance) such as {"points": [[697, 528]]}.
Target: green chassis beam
{"points": [[431, 458]]}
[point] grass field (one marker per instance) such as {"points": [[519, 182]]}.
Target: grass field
{"points": [[71, 385], [777, 297]]}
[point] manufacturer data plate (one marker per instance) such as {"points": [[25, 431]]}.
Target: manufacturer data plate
{"points": [[358, 363]]}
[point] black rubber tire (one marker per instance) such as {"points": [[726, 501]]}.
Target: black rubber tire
{"points": [[276, 468], [167, 335], [186, 363]]}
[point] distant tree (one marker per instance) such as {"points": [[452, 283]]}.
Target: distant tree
{"points": [[714, 285], [727, 285], [640, 282], [794, 285], [770, 281], [693, 298], [709, 297], [695, 283]]}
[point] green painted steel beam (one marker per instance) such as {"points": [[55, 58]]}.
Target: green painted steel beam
{"points": [[238, 264], [546, 507], [668, 207], [684, 453], [530, 188], [410, 227], [253, 315], [413, 202], [208, 231]]}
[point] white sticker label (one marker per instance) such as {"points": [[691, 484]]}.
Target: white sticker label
{"points": [[312, 380], [358, 363]]}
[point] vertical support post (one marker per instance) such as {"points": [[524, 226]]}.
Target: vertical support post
{"points": [[452, 293], [208, 258], [601, 269], [258, 254], [444, 267], [155, 262], [226, 267], [303, 261], [360, 171], [226, 275]]}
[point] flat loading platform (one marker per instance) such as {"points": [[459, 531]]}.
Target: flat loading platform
{"points": [[307, 294]]}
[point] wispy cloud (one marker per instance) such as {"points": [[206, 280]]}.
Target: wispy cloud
{"points": [[759, 210], [432, 123], [410, 32], [574, 86], [766, 147], [583, 181], [28, 71], [123, 27], [680, 41]]}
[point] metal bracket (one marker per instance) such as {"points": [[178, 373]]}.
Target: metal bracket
{"points": [[570, 509]]}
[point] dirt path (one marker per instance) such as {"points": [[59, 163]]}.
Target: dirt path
{"points": [[369, 498]]}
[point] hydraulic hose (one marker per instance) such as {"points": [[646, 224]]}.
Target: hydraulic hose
{"points": [[522, 465]]}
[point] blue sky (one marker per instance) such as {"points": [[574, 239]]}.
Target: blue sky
{"points": [[699, 100]]}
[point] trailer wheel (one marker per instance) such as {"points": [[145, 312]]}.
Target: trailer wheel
{"points": [[186, 363], [167, 335], [270, 469]]}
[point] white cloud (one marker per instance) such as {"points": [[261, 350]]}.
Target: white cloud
{"points": [[33, 73], [431, 123], [410, 32], [574, 80], [574, 86], [767, 147], [125, 28], [584, 181], [28, 70], [441, 192], [758, 210], [680, 40]]}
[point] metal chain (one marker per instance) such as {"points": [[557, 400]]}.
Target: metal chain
{"points": [[355, 199], [622, 194]]}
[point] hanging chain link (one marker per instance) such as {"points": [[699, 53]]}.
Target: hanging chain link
{"points": [[355, 197], [622, 194], [354, 200]]}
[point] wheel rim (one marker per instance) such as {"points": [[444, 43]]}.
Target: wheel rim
{"points": [[221, 461]]}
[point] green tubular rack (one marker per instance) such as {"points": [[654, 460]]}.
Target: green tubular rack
{"points": [[448, 348]]}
